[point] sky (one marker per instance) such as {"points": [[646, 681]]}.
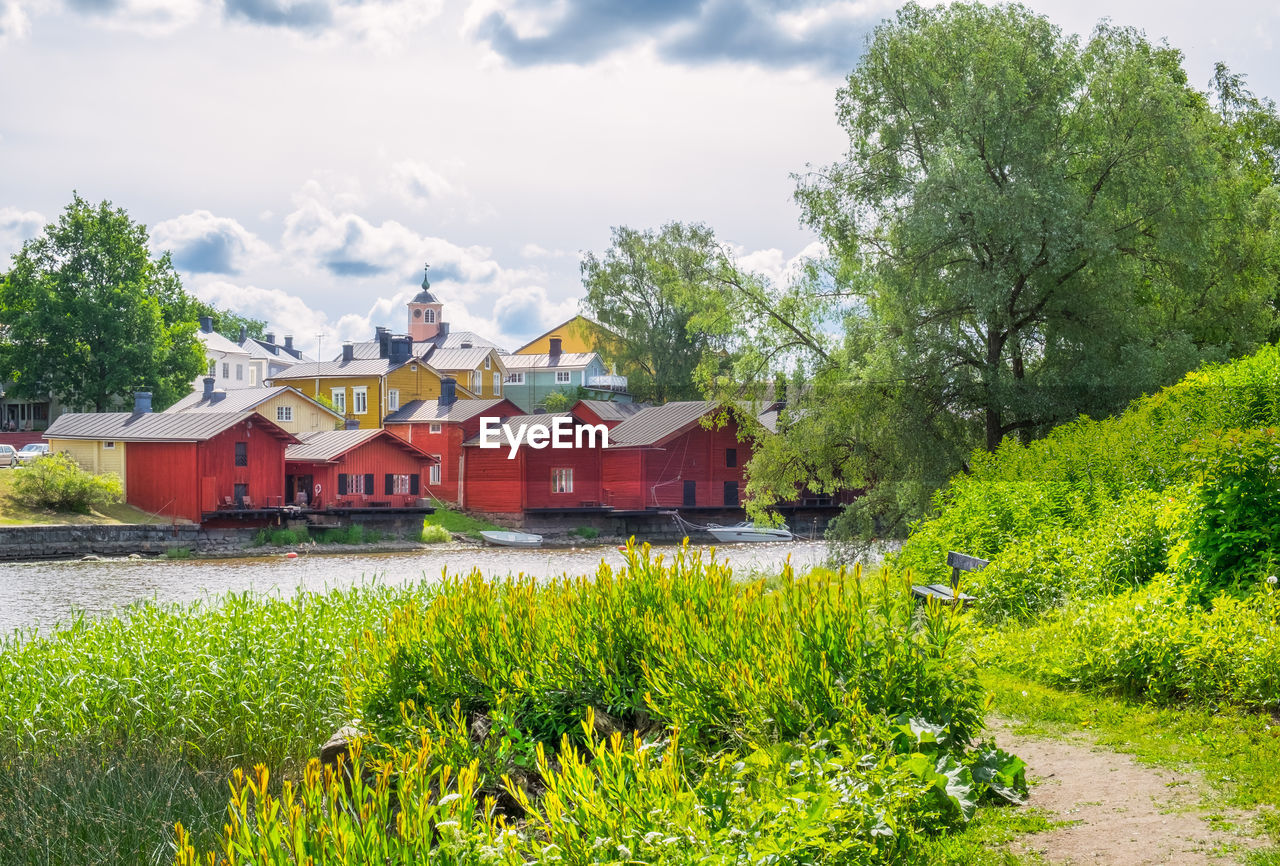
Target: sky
{"points": [[302, 159]]}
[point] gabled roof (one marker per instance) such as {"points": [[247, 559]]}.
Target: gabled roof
{"points": [[240, 400], [430, 410], [455, 339], [155, 426], [608, 410], [215, 342], [656, 424], [341, 369], [462, 359], [769, 419], [565, 360], [560, 327], [326, 446], [274, 352], [517, 424]]}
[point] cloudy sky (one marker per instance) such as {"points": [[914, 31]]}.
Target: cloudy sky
{"points": [[303, 158]]}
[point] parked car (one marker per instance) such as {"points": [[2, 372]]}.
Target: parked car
{"points": [[8, 455], [32, 451]]}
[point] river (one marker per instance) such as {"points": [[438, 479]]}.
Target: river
{"points": [[41, 594]]}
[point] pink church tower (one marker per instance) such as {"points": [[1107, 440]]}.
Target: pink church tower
{"points": [[424, 313]]}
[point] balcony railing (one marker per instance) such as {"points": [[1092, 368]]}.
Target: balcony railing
{"points": [[607, 383]]}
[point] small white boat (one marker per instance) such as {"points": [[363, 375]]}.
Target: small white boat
{"points": [[749, 532], [512, 539]]}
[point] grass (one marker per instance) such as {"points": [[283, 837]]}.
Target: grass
{"points": [[13, 513], [457, 522]]}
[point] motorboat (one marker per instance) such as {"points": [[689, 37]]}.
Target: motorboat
{"points": [[511, 539], [745, 531]]}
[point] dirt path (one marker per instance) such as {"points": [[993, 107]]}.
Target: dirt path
{"points": [[1122, 813]]}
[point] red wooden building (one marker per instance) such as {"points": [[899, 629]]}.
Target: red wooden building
{"points": [[185, 465], [662, 457], [606, 412], [546, 479], [439, 429], [362, 468]]}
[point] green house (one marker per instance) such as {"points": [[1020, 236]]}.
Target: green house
{"points": [[530, 378]]}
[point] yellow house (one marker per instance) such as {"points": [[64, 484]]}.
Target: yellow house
{"points": [[478, 370], [96, 456], [578, 335], [367, 390], [289, 408]]}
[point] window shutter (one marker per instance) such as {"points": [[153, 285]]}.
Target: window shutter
{"points": [[391, 483], [368, 484], [413, 484], [342, 484]]}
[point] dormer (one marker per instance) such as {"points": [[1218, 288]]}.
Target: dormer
{"points": [[424, 313]]}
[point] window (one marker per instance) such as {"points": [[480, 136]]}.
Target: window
{"points": [[108, 445], [475, 381], [562, 377], [359, 401], [354, 483], [731, 457], [239, 372], [284, 413], [561, 480], [253, 375], [515, 378], [340, 400], [497, 384], [242, 453], [433, 428], [213, 369], [226, 370], [429, 317], [731, 494], [397, 484], [433, 474], [487, 365], [393, 400]]}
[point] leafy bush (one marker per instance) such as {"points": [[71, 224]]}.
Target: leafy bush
{"points": [[432, 534], [587, 532], [57, 482], [282, 537]]}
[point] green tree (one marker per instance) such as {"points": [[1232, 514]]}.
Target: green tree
{"points": [[228, 323], [1027, 227], [645, 289], [90, 316]]}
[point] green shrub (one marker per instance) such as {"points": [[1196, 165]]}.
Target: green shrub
{"points": [[57, 482], [587, 532], [432, 534], [177, 553]]}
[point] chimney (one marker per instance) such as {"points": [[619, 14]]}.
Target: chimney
{"points": [[348, 352], [351, 424], [141, 402], [244, 334], [288, 342], [206, 324], [555, 347], [269, 338], [401, 349], [448, 392], [384, 342], [208, 387], [465, 344]]}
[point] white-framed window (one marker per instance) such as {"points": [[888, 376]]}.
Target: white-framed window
{"points": [[562, 377], [487, 365], [561, 480], [476, 381], [213, 369], [433, 428], [393, 400], [359, 401], [339, 400], [239, 372], [355, 483], [433, 474], [497, 384], [108, 445], [226, 370], [400, 484], [253, 375], [429, 316], [515, 378], [284, 413]]}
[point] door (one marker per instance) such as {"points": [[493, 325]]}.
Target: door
{"points": [[690, 494], [731, 494]]}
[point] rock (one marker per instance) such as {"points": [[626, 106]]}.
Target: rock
{"points": [[340, 744], [91, 557], [481, 725]]}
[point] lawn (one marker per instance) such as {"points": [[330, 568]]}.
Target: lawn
{"points": [[14, 514], [456, 521]]}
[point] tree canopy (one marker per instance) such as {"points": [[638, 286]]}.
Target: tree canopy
{"points": [[90, 316]]}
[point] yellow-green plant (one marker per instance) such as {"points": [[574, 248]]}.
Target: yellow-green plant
{"points": [[57, 482]]}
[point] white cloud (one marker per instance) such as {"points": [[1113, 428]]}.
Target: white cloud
{"points": [[204, 243], [16, 226], [534, 251], [14, 23], [774, 264], [420, 184]]}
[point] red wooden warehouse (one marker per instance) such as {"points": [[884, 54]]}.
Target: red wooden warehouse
{"points": [[363, 468], [538, 480], [439, 428], [662, 457], [187, 465]]}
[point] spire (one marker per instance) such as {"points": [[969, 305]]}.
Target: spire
{"points": [[425, 296]]}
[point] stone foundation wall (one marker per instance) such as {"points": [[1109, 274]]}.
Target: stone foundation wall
{"points": [[73, 542]]}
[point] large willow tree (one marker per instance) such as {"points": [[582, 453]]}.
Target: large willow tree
{"points": [[1026, 227]]}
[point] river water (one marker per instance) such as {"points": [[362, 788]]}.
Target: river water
{"points": [[40, 594]]}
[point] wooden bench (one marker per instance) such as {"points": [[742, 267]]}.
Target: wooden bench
{"points": [[944, 594]]}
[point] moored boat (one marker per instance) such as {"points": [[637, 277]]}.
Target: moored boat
{"points": [[511, 539], [749, 532]]}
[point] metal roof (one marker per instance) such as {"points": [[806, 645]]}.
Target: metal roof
{"points": [[324, 446], [339, 369], [769, 418], [153, 426], [462, 359], [455, 339], [370, 350], [652, 425], [274, 352], [430, 410], [517, 424], [548, 362], [239, 400], [608, 410], [215, 342]]}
